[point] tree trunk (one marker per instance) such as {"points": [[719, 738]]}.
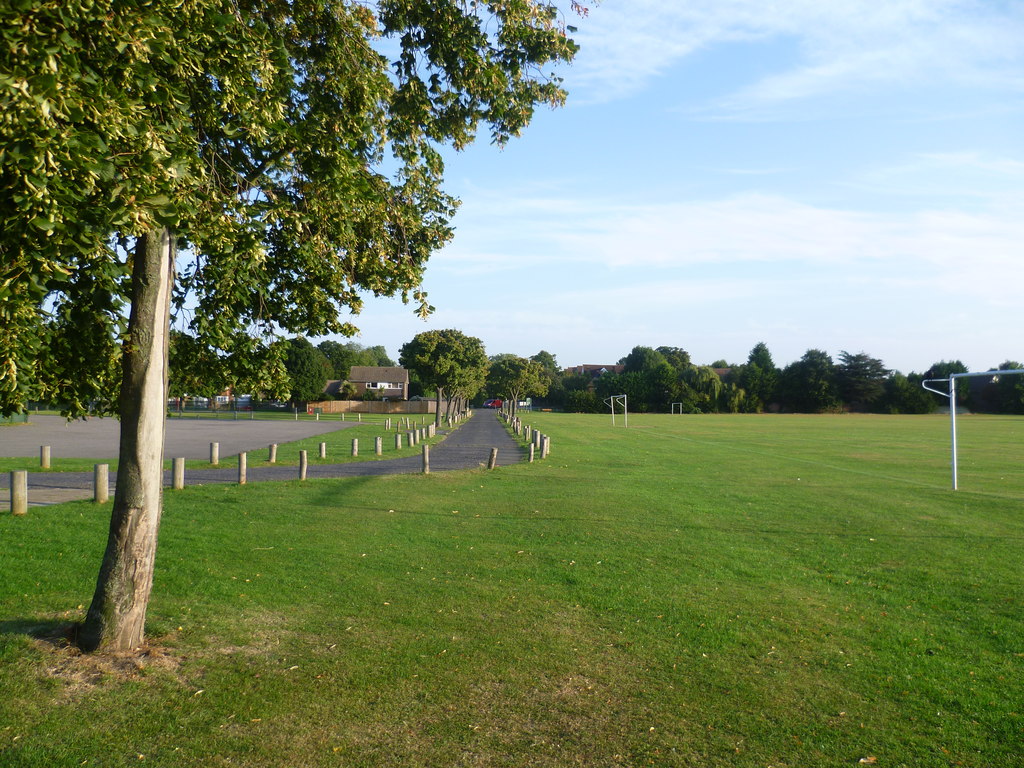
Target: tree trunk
{"points": [[437, 408], [117, 615]]}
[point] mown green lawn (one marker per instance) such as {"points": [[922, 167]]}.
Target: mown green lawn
{"points": [[693, 591]]}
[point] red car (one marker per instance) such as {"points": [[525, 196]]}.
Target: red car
{"points": [[496, 403]]}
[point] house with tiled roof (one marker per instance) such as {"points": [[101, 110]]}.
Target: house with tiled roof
{"points": [[391, 382]]}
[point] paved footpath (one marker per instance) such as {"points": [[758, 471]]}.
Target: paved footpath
{"points": [[467, 447], [97, 438]]}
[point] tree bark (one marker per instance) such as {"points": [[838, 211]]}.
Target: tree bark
{"points": [[117, 615], [437, 407]]}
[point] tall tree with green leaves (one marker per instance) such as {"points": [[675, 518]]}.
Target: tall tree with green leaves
{"points": [[449, 361], [861, 379], [340, 356], [809, 384], [343, 355], [555, 392], [642, 359], [904, 394], [759, 378], [514, 378], [547, 362], [307, 368], [706, 386], [263, 164], [943, 370], [1010, 388], [677, 357]]}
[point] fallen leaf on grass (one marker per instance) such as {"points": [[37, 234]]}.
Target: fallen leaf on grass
{"points": [[868, 760]]}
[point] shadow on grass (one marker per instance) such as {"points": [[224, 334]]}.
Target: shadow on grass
{"points": [[57, 632]]}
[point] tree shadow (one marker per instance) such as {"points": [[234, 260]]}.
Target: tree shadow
{"points": [[56, 632]]}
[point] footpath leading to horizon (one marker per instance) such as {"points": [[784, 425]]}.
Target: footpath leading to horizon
{"points": [[466, 447]]}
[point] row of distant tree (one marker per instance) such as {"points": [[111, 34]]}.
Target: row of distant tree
{"points": [[445, 364], [664, 379], [454, 367]]}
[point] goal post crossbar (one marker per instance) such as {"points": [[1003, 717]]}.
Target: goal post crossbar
{"points": [[951, 394], [613, 401]]}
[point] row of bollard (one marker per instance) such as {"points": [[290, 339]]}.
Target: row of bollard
{"points": [[19, 488], [536, 441], [101, 472]]}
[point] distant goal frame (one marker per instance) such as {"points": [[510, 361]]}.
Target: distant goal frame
{"points": [[624, 400], [951, 394]]}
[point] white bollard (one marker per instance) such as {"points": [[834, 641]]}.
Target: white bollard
{"points": [[19, 492], [101, 483]]}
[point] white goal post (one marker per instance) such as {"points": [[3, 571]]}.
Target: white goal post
{"points": [[678, 409], [951, 394], [613, 401]]}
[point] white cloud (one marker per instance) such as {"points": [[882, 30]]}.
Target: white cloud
{"points": [[562, 236], [841, 46], [965, 179]]}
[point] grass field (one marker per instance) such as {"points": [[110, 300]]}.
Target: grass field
{"points": [[693, 591]]}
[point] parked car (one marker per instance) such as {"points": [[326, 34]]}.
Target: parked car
{"points": [[495, 403]]}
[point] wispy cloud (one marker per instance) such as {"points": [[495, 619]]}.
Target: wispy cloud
{"points": [[840, 46], [964, 176], [957, 251]]}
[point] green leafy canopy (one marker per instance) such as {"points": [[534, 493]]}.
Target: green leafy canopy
{"points": [[298, 164], [447, 360]]}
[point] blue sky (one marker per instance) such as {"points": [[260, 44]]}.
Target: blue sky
{"points": [[807, 173]]}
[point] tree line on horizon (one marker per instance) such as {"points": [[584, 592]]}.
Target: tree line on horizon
{"points": [[654, 379], [663, 379]]}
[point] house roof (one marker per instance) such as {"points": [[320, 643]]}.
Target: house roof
{"points": [[390, 374], [596, 370]]}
